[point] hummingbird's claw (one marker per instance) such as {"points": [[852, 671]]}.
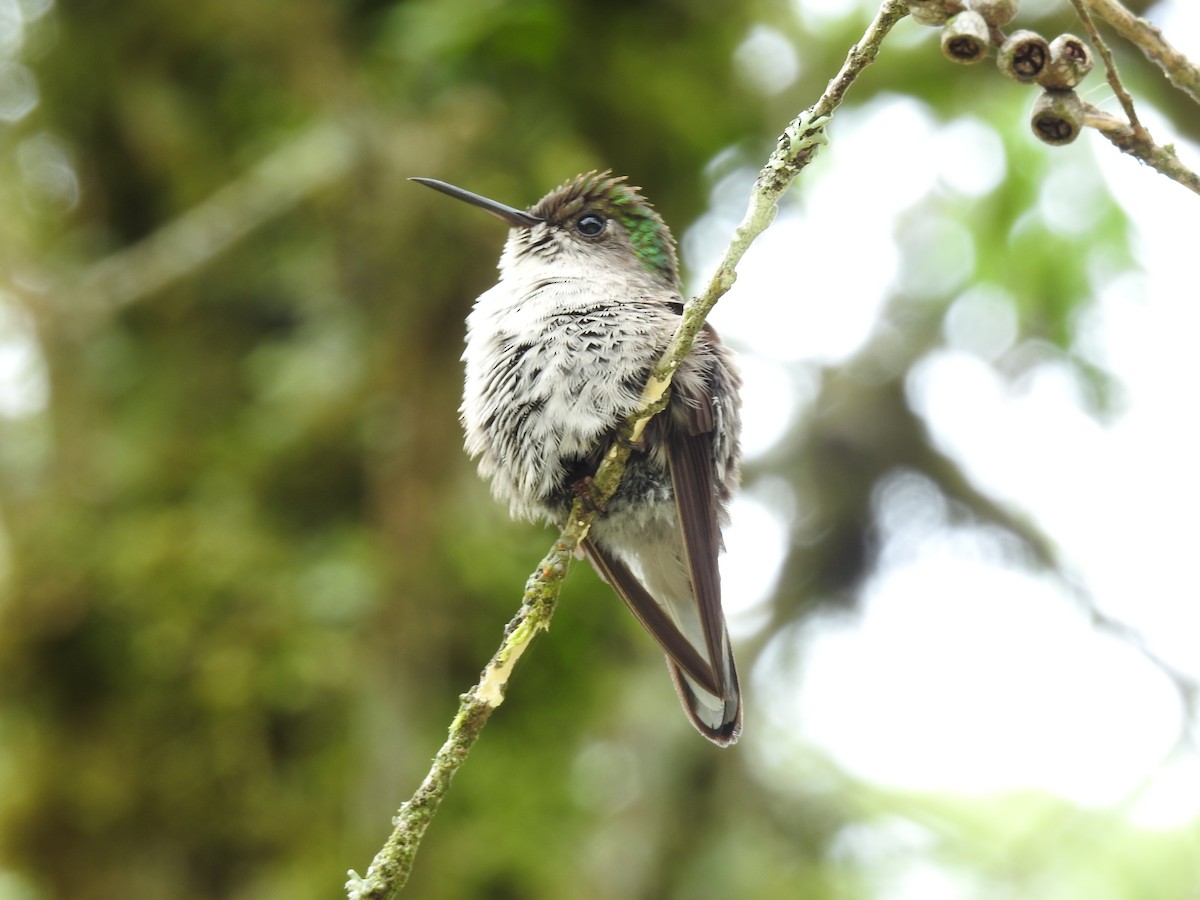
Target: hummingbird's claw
{"points": [[623, 440], [585, 489]]}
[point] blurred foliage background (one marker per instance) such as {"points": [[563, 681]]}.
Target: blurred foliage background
{"points": [[245, 568]]}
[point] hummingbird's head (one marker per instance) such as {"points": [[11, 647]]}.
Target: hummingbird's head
{"points": [[600, 214], [595, 217]]}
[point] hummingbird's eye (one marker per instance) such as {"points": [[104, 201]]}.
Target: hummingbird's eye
{"points": [[590, 225]]}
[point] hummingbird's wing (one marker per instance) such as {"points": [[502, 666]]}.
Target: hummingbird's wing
{"points": [[687, 622], [690, 456]]}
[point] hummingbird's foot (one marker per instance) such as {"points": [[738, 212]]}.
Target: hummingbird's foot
{"points": [[585, 490], [622, 440]]}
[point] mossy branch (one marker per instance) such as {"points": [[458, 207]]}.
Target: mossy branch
{"points": [[390, 869]]}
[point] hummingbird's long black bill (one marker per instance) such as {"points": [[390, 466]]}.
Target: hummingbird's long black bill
{"points": [[515, 217]]}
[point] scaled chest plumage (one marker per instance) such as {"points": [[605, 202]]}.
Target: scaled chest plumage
{"points": [[553, 367]]}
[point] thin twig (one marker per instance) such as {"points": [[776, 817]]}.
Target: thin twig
{"points": [[1110, 69], [390, 869], [1180, 70], [1162, 159], [1129, 137]]}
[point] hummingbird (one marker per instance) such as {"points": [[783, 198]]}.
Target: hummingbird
{"points": [[557, 354]]}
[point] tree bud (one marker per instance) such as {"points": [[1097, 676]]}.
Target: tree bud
{"points": [[996, 13], [965, 38], [933, 12], [1057, 117], [1070, 61], [1023, 56]]}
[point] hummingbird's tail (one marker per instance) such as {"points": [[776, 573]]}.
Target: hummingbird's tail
{"points": [[717, 718], [696, 644]]}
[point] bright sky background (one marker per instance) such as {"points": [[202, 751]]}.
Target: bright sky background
{"points": [[962, 675]]}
